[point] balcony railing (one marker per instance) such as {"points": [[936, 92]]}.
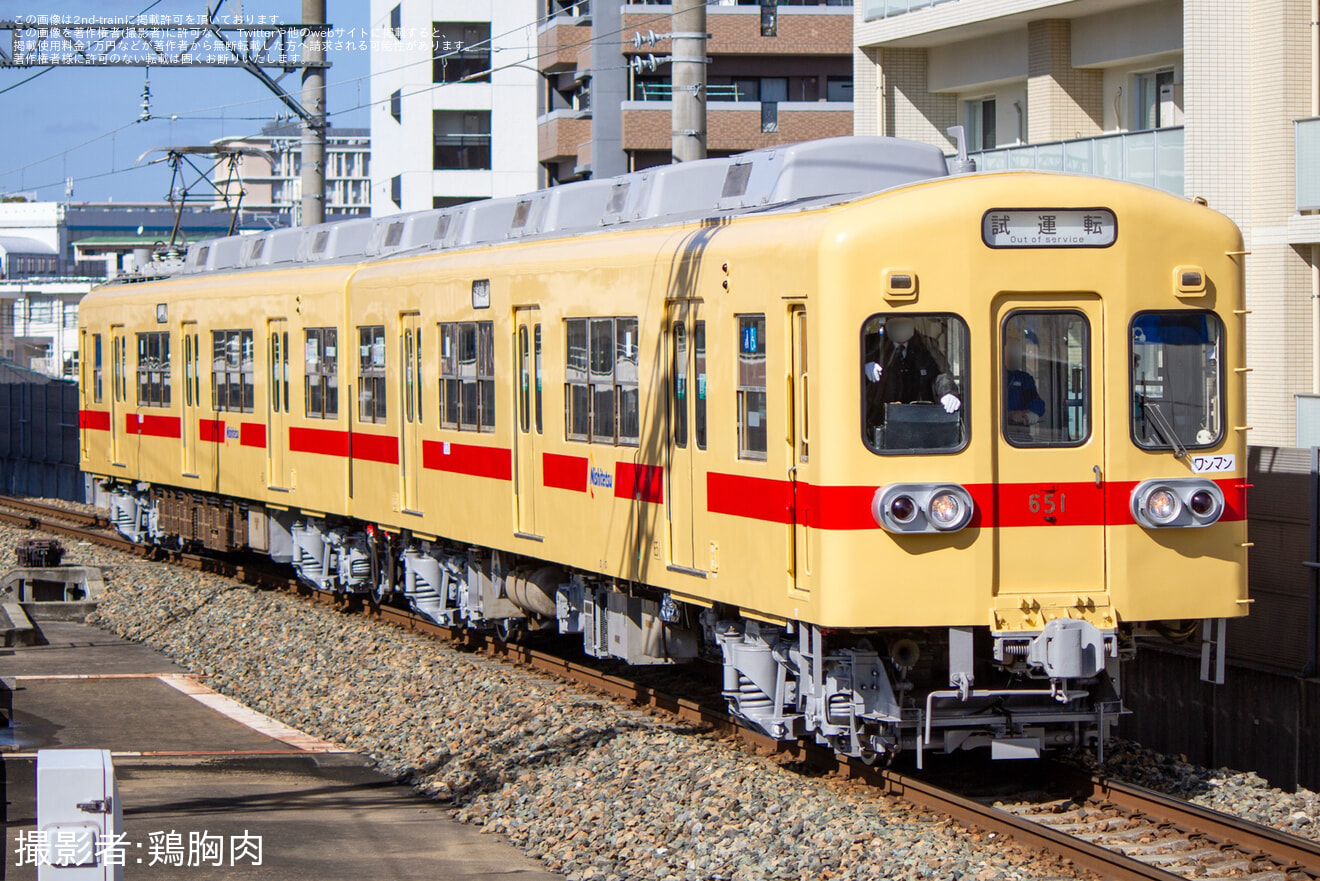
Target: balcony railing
{"points": [[1307, 139], [888, 8], [1153, 158]]}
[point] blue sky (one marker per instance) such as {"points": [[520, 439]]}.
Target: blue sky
{"points": [[51, 116]]}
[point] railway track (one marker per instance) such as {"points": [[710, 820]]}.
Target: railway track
{"points": [[1112, 829]]}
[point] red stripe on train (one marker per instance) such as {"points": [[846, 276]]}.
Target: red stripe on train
{"points": [[151, 425], [210, 431], [94, 420], [493, 462], [252, 434], [381, 448], [644, 483], [321, 441], [997, 505], [564, 472]]}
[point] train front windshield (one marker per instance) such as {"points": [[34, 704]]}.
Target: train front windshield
{"points": [[914, 381], [1176, 380]]}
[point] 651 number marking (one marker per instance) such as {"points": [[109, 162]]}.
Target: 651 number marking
{"points": [[1047, 502]]}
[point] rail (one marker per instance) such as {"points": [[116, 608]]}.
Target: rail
{"points": [[1299, 858]]}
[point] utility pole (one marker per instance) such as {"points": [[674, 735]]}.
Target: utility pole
{"points": [[313, 99], [688, 78]]}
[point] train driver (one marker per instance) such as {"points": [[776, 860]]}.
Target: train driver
{"points": [[903, 367], [1023, 405]]}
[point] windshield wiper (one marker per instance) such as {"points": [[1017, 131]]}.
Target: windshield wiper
{"points": [[1163, 427]]}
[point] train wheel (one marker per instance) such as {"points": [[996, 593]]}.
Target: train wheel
{"points": [[510, 630]]}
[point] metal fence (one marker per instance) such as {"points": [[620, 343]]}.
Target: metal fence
{"points": [[39, 436], [874, 9], [1153, 158]]}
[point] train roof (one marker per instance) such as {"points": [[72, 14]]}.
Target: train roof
{"points": [[800, 175]]}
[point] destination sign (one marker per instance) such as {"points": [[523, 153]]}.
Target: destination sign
{"points": [[1049, 228]]}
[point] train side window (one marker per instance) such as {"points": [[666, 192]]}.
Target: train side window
{"points": [[680, 390], [1177, 379], [751, 387], [699, 366], [524, 381], [914, 377], [486, 374], [602, 379], [1046, 379], [96, 368], [153, 369], [577, 398], [627, 396], [536, 333], [467, 375], [602, 402], [448, 408], [275, 372], [232, 386], [371, 374], [321, 374]]}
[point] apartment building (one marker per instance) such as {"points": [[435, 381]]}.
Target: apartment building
{"points": [[274, 186], [778, 73], [454, 85], [1203, 98]]}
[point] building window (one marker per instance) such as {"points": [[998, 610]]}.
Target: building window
{"points": [[461, 51], [153, 369], [769, 18], [838, 88], [231, 371], [462, 139], [467, 375], [396, 21], [751, 387], [1153, 94], [96, 368], [981, 124], [602, 401], [396, 105], [396, 190], [371, 373], [321, 382]]}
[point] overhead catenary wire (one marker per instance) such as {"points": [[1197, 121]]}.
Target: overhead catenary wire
{"points": [[429, 87]]}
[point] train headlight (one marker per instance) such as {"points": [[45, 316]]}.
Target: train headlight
{"points": [[1185, 501], [946, 509], [903, 509], [1202, 503], [1162, 506], [922, 507]]}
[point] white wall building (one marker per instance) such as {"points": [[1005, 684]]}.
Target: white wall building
{"points": [[444, 130]]}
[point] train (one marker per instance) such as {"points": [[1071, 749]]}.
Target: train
{"points": [[917, 457]]}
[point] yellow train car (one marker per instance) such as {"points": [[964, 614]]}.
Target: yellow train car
{"points": [[917, 456]]}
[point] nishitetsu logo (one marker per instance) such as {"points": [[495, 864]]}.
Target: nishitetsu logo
{"points": [[598, 477]]}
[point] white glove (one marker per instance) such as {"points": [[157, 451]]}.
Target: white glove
{"points": [[951, 403], [872, 371]]}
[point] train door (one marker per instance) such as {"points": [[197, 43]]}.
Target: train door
{"points": [[799, 563], [277, 435], [1050, 450], [191, 388], [410, 452], [529, 424], [119, 388], [685, 489]]}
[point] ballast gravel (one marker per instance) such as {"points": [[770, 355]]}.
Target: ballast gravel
{"points": [[593, 789]]}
